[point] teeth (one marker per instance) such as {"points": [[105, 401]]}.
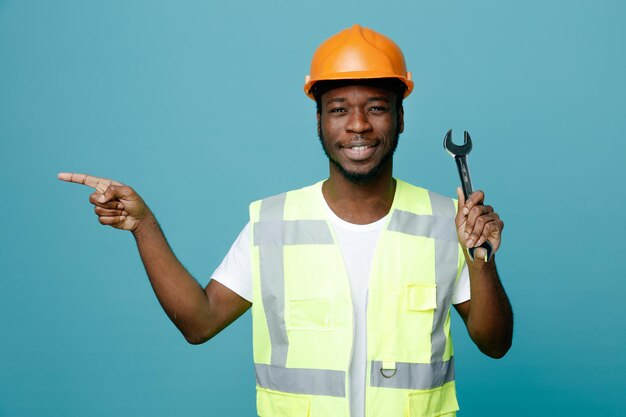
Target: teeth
{"points": [[359, 148]]}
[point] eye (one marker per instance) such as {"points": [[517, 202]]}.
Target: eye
{"points": [[378, 109], [337, 110]]}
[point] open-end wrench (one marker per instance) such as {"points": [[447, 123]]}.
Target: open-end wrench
{"points": [[459, 153]]}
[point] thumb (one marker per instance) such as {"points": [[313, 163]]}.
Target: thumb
{"points": [[104, 197], [461, 214], [459, 193], [113, 192]]}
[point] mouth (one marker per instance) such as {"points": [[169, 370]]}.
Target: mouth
{"points": [[359, 152]]}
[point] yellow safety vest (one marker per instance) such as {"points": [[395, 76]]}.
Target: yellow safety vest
{"points": [[302, 308]]}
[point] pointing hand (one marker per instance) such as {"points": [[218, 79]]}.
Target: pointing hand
{"points": [[116, 204]]}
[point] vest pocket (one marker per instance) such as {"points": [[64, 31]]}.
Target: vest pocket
{"points": [[280, 404], [436, 402], [421, 297], [311, 314]]}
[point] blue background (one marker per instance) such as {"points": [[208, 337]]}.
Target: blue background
{"points": [[198, 105]]}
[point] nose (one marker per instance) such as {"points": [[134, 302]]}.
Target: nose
{"points": [[358, 122]]}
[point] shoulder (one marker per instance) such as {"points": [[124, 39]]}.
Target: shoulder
{"points": [[309, 195], [414, 189], [420, 200]]}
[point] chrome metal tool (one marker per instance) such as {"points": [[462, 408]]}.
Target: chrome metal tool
{"points": [[459, 153]]}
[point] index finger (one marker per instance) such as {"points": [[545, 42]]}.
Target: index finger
{"points": [[477, 197], [100, 184]]}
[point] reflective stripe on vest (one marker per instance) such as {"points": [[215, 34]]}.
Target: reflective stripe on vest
{"points": [[301, 381], [413, 375]]}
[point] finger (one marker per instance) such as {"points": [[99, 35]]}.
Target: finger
{"points": [[462, 211], [475, 234], [481, 253], [478, 230], [111, 220], [474, 213], [491, 232], [477, 198], [100, 184], [115, 193], [108, 212], [120, 190], [459, 193], [97, 200]]}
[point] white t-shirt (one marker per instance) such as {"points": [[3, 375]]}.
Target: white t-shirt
{"points": [[357, 243]]}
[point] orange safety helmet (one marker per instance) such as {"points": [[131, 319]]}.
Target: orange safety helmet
{"points": [[358, 53]]}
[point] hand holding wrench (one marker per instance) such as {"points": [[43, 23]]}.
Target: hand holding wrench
{"points": [[459, 153]]}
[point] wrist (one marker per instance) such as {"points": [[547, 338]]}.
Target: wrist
{"points": [[145, 226]]}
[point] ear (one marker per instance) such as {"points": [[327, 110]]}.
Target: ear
{"points": [[319, 124], [401, 119]]}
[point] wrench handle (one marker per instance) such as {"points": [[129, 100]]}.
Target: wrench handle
{"points": [[466, 184], [464, 174]]}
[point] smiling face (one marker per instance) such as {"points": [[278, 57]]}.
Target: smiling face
{"points": [[359, 127]]}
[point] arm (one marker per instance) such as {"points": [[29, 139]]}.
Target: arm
{"points": [[487, 315], [198, 313]]}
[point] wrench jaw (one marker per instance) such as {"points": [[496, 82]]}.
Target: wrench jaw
{"points": [[457, 150], [486, 246], [467, 139]]}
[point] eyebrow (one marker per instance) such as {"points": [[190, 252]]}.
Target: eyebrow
{"points": [[343, 100], [336, 100]]}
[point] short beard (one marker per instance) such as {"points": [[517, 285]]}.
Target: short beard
{"points": [[364, 178]]}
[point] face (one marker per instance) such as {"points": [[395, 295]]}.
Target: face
{"points": [[359, 128]]}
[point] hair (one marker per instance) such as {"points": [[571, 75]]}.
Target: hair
{"points": [[393, 84]]}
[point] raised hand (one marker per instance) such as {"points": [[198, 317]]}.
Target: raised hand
{"points": [[476, 223], [116, 204]]}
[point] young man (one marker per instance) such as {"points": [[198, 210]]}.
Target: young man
{"points": [[351, 279]]}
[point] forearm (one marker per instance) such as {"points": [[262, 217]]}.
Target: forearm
{"points": [[490, 317], [180, 295]]}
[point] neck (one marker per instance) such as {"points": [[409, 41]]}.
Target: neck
{"points": [[360, 203]]}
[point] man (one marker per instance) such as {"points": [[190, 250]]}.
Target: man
{"points": [[350, 279]]}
